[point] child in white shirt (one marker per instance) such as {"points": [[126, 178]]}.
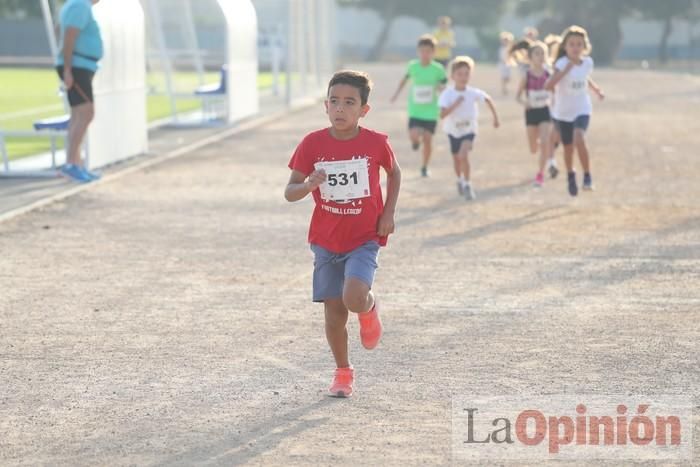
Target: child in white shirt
{"points": [[459, 110], [505, 60], [572, 103]]}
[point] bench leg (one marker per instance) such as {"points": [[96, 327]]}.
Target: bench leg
{"points": [[53, 152], [5, 156]]}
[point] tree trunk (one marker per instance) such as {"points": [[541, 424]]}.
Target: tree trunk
{"points": [[663, 45], [606, 36], [388, 16]]}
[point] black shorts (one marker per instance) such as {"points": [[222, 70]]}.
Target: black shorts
{"points": [[566, 129], [533, 117], [456, 142], [81, 92], [427, 125]]}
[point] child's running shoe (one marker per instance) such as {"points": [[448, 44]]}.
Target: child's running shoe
{"points": [[370, 327], [469, 194], [343, 379], [75, 173], [415, 146], [92, 175], [424, 172], [553, 170], [539, 180], [587, 182], [573, 187], [460, 187]]}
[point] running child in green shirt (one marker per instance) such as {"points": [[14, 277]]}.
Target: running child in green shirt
{"points": [[427, 78]]}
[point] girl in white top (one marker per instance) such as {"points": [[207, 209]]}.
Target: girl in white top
{"points": [[553, 42], [572, 103], [459, 109]]}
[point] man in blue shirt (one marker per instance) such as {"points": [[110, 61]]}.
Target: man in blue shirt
{"points": [[80, 51]]}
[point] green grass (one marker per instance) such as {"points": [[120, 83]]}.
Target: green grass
{"points": [[28, 94]]}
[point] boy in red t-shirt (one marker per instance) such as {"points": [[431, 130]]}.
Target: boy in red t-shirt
{"points": [[340, 167]]}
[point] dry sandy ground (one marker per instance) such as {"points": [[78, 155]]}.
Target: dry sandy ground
{"points": [[165, 318]]}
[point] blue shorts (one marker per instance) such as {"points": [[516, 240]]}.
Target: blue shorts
{"points": [[566, 129], [331, 269], [456, 142]]}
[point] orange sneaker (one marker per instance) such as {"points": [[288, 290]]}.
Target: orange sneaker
{"points": [[370, 327], [342, 382]]}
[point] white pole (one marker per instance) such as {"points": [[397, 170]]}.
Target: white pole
{"points": [[157, 23], [53, 44], [302, 46], [320, 39], [192, 42], [330, 36], [48, 23], [291, 11], [311, 31], [276, 56]]}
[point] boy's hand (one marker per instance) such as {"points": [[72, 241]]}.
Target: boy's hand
{"points": [[601, 95], [457, 103], [68, 78], [496, 122], [386, 226], [316, 179]]}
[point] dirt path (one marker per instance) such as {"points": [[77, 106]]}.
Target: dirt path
{"points": [[164, 318]]}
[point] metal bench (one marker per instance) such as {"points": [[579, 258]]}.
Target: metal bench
{"points": [[210, 93], [53, 128]]}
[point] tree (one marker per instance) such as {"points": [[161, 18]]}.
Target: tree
{"points": [[600, 17], [26, 8], [388, 10], [482, 15], [21, 8], [665, 12]]}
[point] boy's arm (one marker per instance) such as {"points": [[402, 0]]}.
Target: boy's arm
{"points": [[445, 111], [386, 224], [299, 186], [398, 91], [556, 77], [69, 40], [596, 89], [489, 102]]}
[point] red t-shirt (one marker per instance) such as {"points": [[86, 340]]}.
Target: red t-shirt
{"points": [[342, 226]]}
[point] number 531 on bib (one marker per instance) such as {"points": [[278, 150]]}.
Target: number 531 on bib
{"points": [[345, 179]]}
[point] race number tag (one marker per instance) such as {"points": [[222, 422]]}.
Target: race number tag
{"points": [[538, 99], [346, 180], [578, 86], [423, 94], [461, 127]]}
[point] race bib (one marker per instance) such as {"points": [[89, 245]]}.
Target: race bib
{"points": [[346, 180], [538, 99], [423, 94], [463, 126], [578, 86]]}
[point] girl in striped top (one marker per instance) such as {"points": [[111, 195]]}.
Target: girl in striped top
{"points": [[536, 100]]}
